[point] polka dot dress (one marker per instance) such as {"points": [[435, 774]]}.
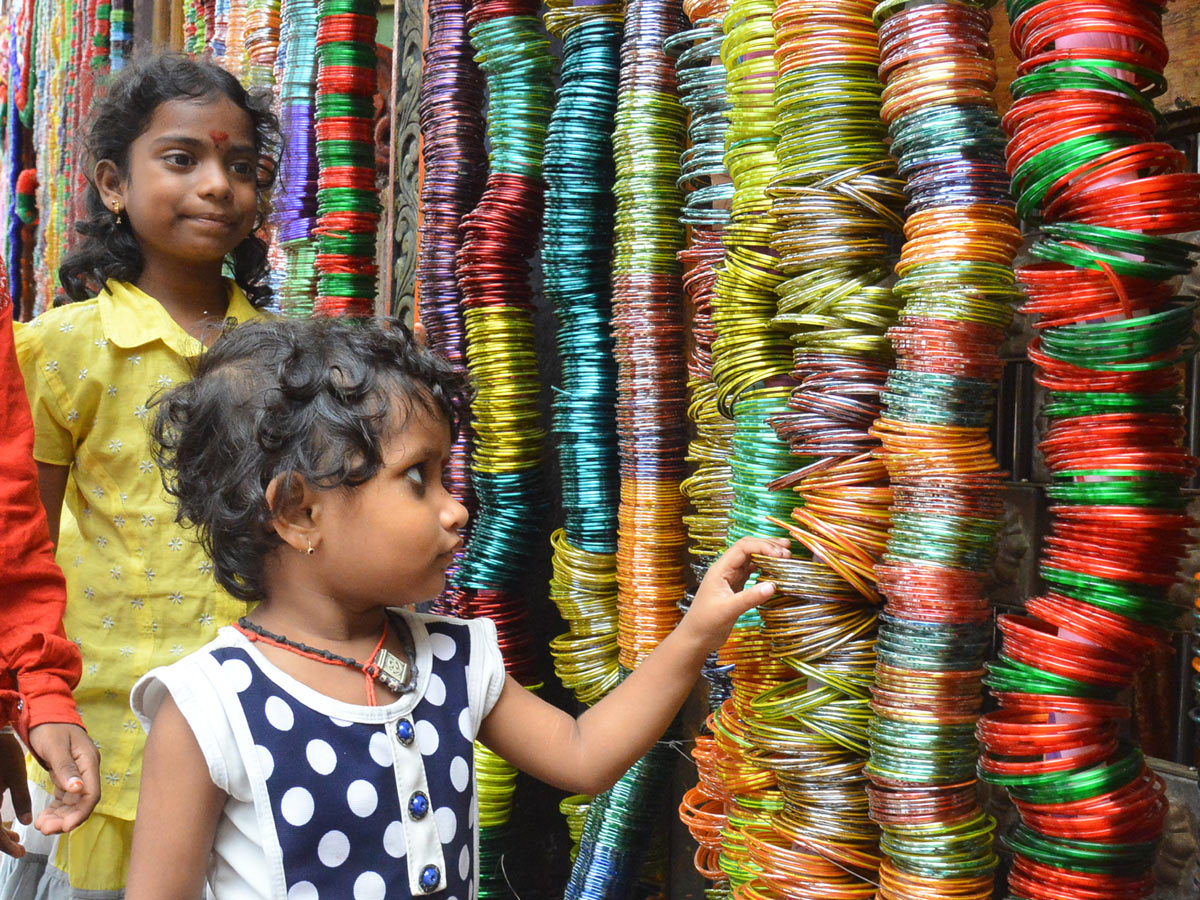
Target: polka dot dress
{"points": [[368, 811]]}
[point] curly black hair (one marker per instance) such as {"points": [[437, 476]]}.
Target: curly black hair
{"points": [[315, 399], [110, 250]]}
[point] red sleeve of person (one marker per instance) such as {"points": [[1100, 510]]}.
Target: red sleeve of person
{"points": [[40, 665]]}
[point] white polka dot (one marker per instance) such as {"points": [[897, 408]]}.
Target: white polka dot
{"points": [[303, 890], [280, 714], [460, 773], [297, 806], [464, 863], [321, 757], [393, 840], [266, 762], [471, 816], [362, 798], [447, 824], [238, 674], [435, 691], [427, 737], [464, 724], [369, 886], [443, 645], [381, 748], [340, 723], [333, 849]]}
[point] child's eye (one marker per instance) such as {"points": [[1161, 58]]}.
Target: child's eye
{"points": [[245, 169], [178, 159], [416, 474]]}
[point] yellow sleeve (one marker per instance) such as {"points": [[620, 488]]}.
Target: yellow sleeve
{"points": [[53, 434]]}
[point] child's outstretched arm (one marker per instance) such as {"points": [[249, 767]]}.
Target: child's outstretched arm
{"points": [[589, 754], [178, 810]]}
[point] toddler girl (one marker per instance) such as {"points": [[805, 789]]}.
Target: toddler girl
{"points": [[323, 747]]}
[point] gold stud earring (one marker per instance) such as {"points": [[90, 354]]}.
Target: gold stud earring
{"points": [[117, 210], [311, 549]]}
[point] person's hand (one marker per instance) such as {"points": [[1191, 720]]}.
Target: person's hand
{"points": [[723, 595], [74, 764], [12, 781]]}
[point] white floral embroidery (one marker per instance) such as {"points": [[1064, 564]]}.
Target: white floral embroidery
{"points": [[147, 520], [176, 649], [141, 412], [97, 491], [146, 465], [78, 642], [175, 544], [137, 602], [164, 381], [115, 445], [130, 725], [66, 327], [176, 597], [112, 390], [87, 511], [73, 416], [101, 541], [83, 373], [93, 668], [78, 561], [107, 622], [126, 650], [89, 592], [150, 573], [115, 571], [124, 497], [112, 777], [205, 567], [119, 521], [101, 342], [52, 366], [205, 619], [136, 359]]}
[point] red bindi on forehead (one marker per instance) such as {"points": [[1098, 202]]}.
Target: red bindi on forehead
{"points": [[218, 138]]}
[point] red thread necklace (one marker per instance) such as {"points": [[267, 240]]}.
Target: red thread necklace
{"points": [[398, 675]]}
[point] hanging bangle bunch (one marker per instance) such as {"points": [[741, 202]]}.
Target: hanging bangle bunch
{"points": [[835, 198], [348, 207], [195, 27], [493, 278], [747, 350], [235, 38], [1111, 340], [450, 110], [576, 255], [955, 277], [648, 330], [295, 202], [99, 49], [707, 194], [262, 42], [120, 33]]}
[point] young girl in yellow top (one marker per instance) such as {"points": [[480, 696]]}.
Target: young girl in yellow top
{"points": [[182, 161]]}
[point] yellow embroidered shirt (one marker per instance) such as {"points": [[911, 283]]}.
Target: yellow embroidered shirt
{"points": [[140, 590]]}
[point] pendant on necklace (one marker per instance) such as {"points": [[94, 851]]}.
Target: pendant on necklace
{"points": [[393, 671]]}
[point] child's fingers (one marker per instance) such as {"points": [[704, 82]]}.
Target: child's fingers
{"points": [[752, 596], [736, 563], [9, 845]]}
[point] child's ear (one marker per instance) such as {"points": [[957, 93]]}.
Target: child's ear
{"points": [[109, 184], [291, 499]]}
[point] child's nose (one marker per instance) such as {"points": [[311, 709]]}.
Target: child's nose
{"points": [[216, 181], [456, 514]]}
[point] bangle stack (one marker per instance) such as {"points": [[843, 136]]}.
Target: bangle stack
{"points": [[957, 283], [1111, 340], [576, 256]]}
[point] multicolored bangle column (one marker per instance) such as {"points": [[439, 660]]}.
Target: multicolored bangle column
{"points": [[956, 279], [651, 425], [120, 33], [493, 276], [348, 206], [263, 22], [450, 110], [295, 206], [576, 257], [1111, 339]]}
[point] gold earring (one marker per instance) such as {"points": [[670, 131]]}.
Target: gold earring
{"points": [[117, 210], [311, 549]]}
